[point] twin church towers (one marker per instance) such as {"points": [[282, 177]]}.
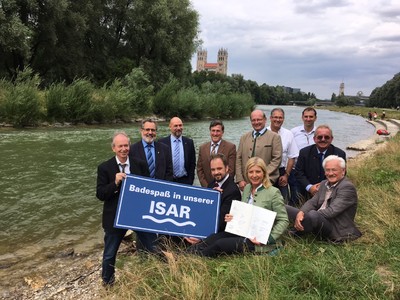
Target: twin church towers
{"points": [[221, 66]]}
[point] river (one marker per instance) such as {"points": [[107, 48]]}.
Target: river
{"points": [[48, 178]]}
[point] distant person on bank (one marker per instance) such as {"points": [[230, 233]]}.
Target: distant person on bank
{"points": [[330, 213], [259, 192], [110, 175]]}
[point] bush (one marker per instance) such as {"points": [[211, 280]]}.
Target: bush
{"points": [[78, 101], [22, 101], [57, 103]]}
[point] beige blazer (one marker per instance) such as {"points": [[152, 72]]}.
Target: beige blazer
{"points": [[203, 162], [268, 147]]}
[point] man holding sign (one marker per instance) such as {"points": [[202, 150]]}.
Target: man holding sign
{"points": [[110, 175], [261, 193]]}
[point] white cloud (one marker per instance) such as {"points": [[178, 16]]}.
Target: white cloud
{"points": [[308, 44]]}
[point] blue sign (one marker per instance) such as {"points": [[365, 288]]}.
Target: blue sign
{"points": [[160, 206]]}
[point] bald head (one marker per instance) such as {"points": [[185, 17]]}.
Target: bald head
{"points": [[258, 119], [176, 127]]}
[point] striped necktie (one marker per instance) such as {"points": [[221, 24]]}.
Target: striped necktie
{"points": [[123, 167], [150, 161], [214, 147], [177, 159]]}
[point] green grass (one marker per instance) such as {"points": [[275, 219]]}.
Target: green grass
{"points": [[363, 111], [368, 268]]}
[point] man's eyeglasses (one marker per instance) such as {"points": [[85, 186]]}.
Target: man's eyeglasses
{"points": [[149, 129], [323, 137]]}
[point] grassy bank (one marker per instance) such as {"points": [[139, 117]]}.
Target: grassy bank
{"points": [[368, 268]]}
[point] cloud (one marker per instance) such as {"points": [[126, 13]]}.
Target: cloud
{"points": [[312, 45]]}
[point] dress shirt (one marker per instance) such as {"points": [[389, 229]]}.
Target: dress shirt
{"points": [[220, 183], [261, 132], [127, 167], [289, 146], [302, 137]]}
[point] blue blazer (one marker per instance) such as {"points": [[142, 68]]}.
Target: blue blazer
{"points": [[189, 154], [163, 159]]}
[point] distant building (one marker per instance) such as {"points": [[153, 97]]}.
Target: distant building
{"points": [[221, 66], [341, 89]]}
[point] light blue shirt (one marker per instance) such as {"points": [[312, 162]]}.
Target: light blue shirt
{"points": [[174, 144], [153, 150]]}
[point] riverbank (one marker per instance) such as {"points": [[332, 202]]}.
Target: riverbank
{"points": [[70, 275]]}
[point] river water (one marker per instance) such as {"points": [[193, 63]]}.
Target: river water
{"points": [[48, 179]]}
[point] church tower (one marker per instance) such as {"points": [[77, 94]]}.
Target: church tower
{"points": [[201, 59], [222, 61], [221, 66]]}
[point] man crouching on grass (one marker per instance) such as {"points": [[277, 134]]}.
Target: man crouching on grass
{"points": [[330, 213]]}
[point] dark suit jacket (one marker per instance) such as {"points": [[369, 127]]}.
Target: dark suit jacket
{"points": [[340, 211], [189, 154], [106, 189], [203, 162], [230, 192], [308, 166], [163, 159]]}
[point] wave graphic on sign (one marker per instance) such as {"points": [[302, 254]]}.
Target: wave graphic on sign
{"points": [[169, 220]]}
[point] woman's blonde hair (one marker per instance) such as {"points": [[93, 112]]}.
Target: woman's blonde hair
{"points": [[259, 162]]}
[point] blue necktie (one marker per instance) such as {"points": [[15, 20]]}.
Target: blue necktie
{"points": [[322, 171], [150, 161], [177, 162]]}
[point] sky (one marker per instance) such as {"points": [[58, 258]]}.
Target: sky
{"points": [[313, 45]]}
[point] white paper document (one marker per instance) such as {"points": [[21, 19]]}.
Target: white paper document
{"points": [[250, 221]]}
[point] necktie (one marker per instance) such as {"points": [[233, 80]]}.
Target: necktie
{"points": [[176, 162], [322, 171], [214, 146], [256, 135], [216, 184], [150, 161], [123, 167]]}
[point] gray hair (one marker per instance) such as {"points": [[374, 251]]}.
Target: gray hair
{"points": [[341, 161], [119, 133], [277, 109]]}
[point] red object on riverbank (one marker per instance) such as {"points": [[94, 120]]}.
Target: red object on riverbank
{"points": [[382, 132]]}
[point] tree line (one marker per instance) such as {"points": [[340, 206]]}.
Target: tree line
{"points": [[388, 95]]}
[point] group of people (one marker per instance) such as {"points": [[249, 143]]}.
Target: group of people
{"points": [[297, 173]]}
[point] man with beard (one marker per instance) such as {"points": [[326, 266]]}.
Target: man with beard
{"points": [[309, 171], [159, 164], [182, 152], [225, 184]]}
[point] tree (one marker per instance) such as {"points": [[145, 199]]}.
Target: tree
{"points": [[98, 39]]}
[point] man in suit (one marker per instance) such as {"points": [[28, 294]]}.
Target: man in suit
{"points": [[216, 145], [157, 157], [182, 152], [159, 152], [262, 143], [223, 182], [309, 171], [330, 213], [110, 175]]}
